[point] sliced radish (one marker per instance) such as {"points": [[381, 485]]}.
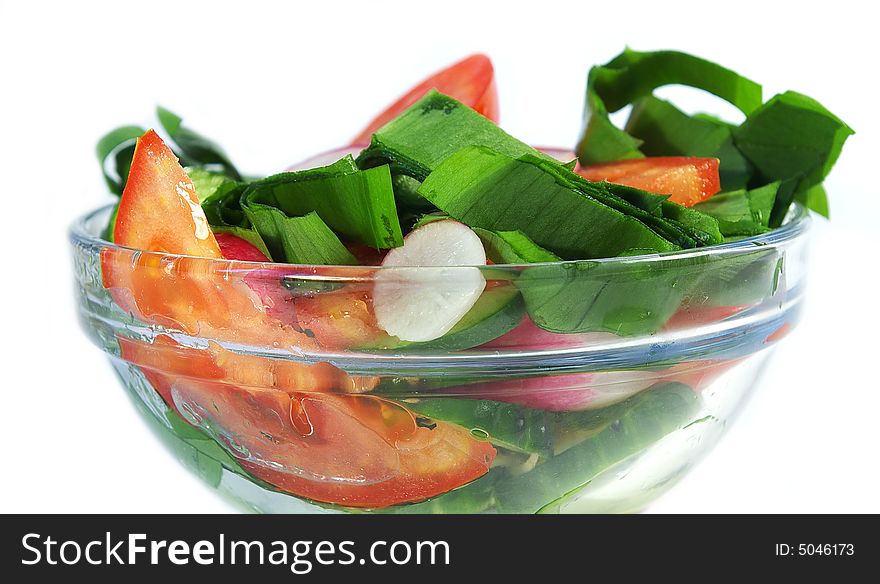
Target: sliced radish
{"points": [[562, 393], [418, 304], [527, 336]]}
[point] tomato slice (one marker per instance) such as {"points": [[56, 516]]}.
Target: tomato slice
{"points": [[165, 357], [359, 451], [159, 212], [236, 248], [470, 81], [688, 180], [339, 319]]}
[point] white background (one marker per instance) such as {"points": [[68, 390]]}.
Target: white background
{"points": [[276, 82]]}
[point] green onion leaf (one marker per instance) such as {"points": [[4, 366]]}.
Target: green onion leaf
{"points": [[742, 212], [435, 127], [632, 75], [793, 138], [487, 189], [195, 149], [513, 247], [220, 198], [667, 131], [357, 204], [298, 240], [115, 151]]}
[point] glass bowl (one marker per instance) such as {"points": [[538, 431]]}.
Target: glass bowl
{"points": [[580, 386]]}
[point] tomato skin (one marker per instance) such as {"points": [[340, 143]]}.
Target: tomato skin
{"points": [[358, 451], [200, 293], [366, 255], [159, 209], [688, 180], [159, 212], [165, 360], [470, 81], [779, 333], [236, 248]]}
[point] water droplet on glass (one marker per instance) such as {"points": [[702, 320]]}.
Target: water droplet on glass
{"points": [[190, 414], [479, 434], [238, 449]]}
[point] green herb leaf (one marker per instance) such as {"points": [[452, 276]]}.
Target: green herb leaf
{"points": [[406, 193], [220, 198], [356, 204], [667, 131], [814, 198], [698, 225], [513, 247], [632, 75], [304, 239], [637, 204], [738, 279], [742, 212], [649, 202], [419, 139], [792, 137], [624, 298], [195, 149], [487, 189], [510, 426], [115, 151]]}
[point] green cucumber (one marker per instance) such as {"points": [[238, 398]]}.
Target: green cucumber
{"points": [[641, 421], [510, 426]]}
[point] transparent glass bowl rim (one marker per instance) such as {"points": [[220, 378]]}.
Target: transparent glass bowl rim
{"points": [[796, 223], [697, 342]]}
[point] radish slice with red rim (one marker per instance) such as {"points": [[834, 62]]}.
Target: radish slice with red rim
{"points": [[433, 283]]}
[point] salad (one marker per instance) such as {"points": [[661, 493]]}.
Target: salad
{"points": [[262, 311]]}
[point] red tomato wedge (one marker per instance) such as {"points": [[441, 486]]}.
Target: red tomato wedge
{"points": [[236, 248], [470, 81], [688, 180], [359, 451], [340, 319], [164, 360], [159, 212]]}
